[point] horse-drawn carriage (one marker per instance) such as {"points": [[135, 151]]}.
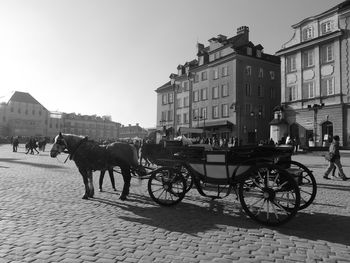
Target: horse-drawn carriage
{"points": [[269, 185]]}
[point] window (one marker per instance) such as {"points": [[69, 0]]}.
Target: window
{"points": [[215, 92], [178, 118], [179, 103], [248, 90], [195, 96], [309, 89], [292, 93], [272, 75], [307, 33], [33, 112], [26, 112], [11, 109], [216, 73], [204, 75], [249, 51], [204, 113], [224, 109], [248, 70], [261, 73], [248, 109], [186, 102], [327, 86], [204, 94], [326, 27], [195, 114], [215, 112], [308, 58], [224, 71], [19, 110], [291, 63], [164, 116], [258, 53], [260, 91], [185, 117], [327, 53], [164, 99], [217, 55], [272, 93], [185, 85], [196, 77], [224, 90], [171, 97], [170, 115], [261, 111]]}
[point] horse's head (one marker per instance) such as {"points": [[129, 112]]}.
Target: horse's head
{"points": [[60, 144]]}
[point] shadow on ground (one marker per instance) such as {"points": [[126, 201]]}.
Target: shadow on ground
{"points": [[213, 215], [39, 165]]}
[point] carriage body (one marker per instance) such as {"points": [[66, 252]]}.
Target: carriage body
{"points": [[262, 177]]}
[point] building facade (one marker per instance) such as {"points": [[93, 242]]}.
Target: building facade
{"points": [[132, 132], [228, 91], [22, 115], [315, 78]]}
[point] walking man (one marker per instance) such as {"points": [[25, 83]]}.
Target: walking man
{"points": [[335, 159]]}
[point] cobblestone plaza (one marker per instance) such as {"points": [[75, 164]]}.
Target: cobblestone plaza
{"points": [[44, 219]]}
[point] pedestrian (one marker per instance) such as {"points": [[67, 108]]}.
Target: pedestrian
{"points": [[35, 145], [334, 159], [15, 144], [111, 176]]}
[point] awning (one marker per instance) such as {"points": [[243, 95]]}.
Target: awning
{"points": [[217, 123], [186, 130]]}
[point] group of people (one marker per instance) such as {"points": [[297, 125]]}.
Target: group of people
{"points": [[31, 144]]}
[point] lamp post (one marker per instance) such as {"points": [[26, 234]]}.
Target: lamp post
{"points": [[315, 108]]}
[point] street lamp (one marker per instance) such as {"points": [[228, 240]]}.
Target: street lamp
{"points": [[315, 108]]}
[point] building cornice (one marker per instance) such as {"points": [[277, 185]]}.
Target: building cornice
{"points": [[312, 42]]}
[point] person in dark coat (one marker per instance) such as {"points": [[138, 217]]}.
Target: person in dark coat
{"points": [[335, 159]]}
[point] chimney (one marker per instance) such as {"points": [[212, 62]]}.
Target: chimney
{"points": [[243, 30]]}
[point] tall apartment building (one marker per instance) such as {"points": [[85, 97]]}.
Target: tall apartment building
{"points": [[23, 115], [315, 78], [230, 90]]}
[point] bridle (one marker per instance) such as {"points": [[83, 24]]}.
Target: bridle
{"points": [[62, 143]]}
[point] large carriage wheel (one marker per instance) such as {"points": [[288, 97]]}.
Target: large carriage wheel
{"points": [[269, 195], [306, 182], [167, 186]]}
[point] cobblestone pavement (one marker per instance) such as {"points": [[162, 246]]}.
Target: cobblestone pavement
{"points": [[44, 219]]}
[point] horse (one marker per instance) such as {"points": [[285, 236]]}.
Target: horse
{"points": [[90, 156]]}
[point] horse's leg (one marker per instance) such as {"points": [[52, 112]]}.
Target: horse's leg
{"points": [[102, 174], [111, 176], [90, 184], [85, 180], [127, 178]]}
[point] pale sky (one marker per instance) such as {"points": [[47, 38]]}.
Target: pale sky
{"points": [[108, 57]]}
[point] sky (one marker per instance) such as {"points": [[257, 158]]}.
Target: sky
{"points": [[107, 57]]}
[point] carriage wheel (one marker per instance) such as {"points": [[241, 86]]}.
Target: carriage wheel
{"points": [[167, 186], [188, 178], [269, 195], [306, 182]]}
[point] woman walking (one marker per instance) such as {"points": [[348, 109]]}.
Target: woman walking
{"points": [[335, 159]]}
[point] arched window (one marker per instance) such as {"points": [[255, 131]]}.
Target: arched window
{"points": [[327, 131], [294, 131]]}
